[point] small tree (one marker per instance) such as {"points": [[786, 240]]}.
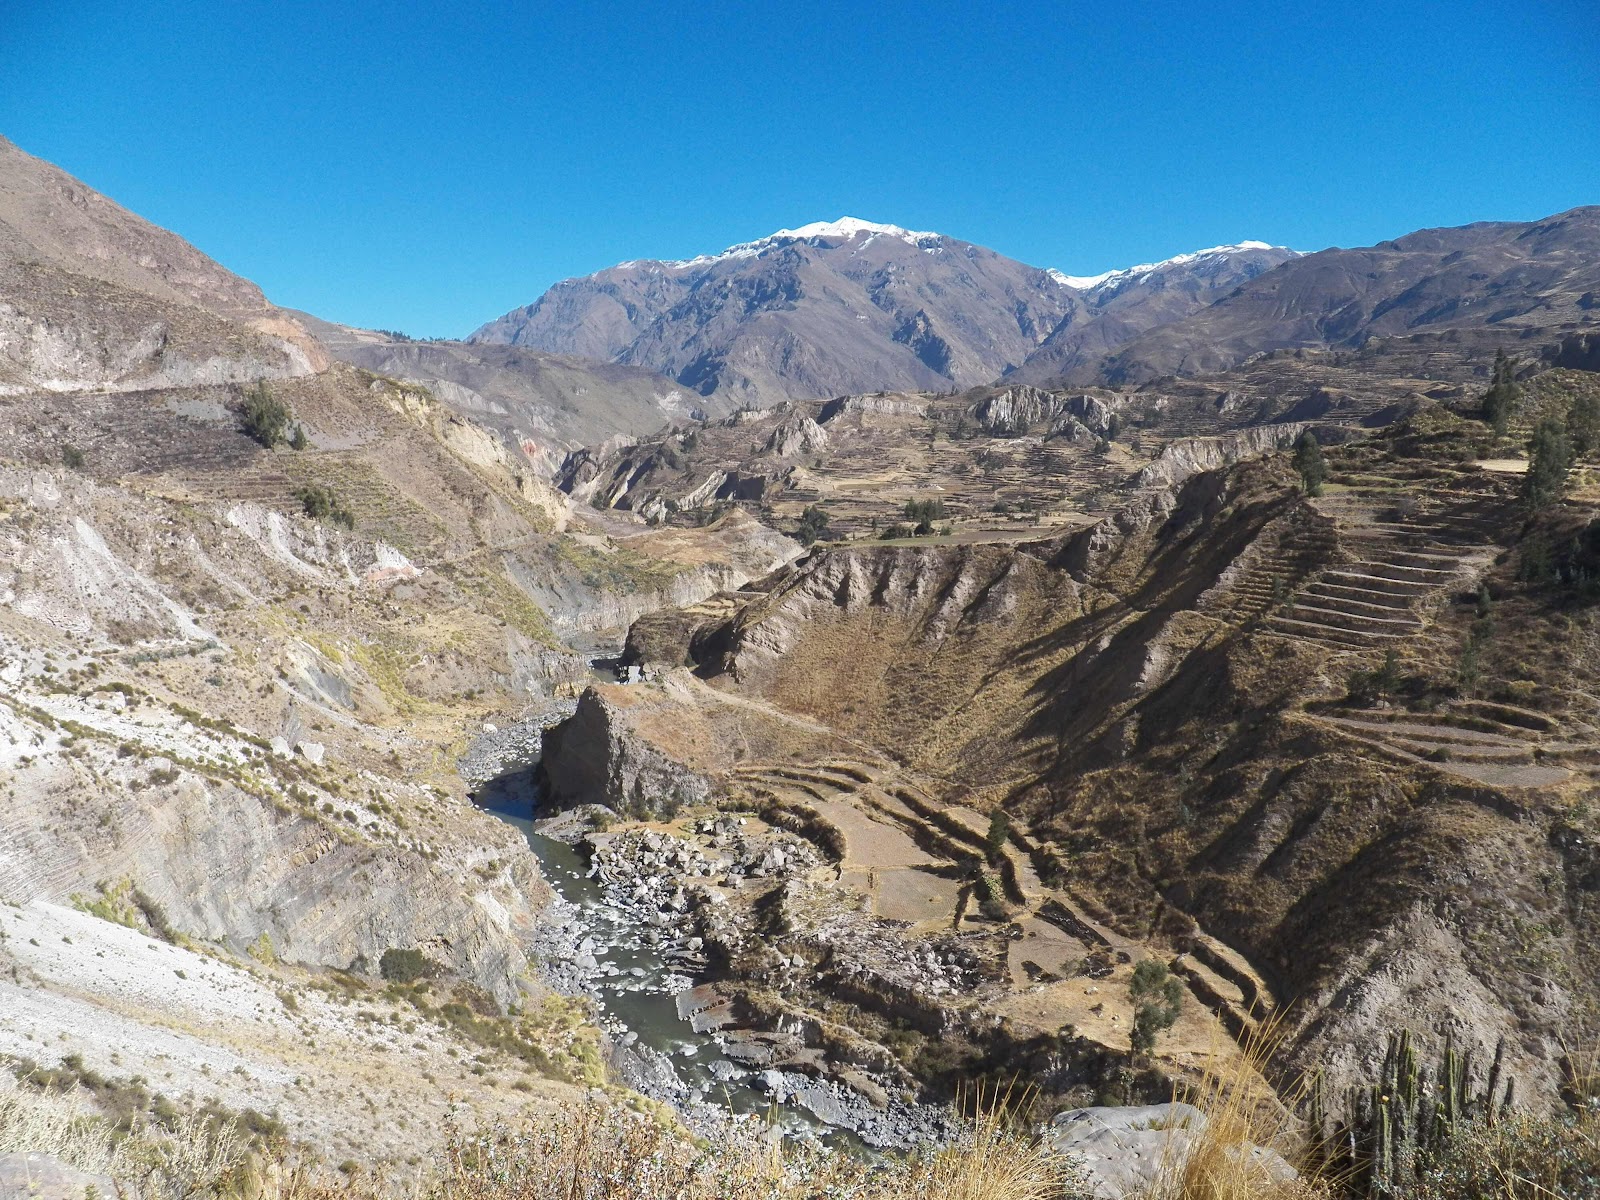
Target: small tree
{"points": [[1583, 422], [999, 834], [297, 437], [1501, 400], [1157, 1000], [1549, 457], [1309, 462], [265, 419], [813, 524]]}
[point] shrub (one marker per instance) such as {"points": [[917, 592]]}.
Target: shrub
{"points": [[999, 834], [407, 966], [321, 504], [1367, 686], [1157, 997], [71, 457], [265, 419], [813, 524]]}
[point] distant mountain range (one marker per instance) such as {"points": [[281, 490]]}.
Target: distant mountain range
{"points": [[826, 309], [95, 297], [1514, 279], [851, 306]]}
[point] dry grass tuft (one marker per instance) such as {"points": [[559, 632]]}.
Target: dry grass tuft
{"points": [[600, 1149], [149, 1163], [61, 1126], [994, 1161], [1247, 1130]]}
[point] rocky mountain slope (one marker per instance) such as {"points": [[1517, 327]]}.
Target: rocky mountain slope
{"points": [[93, 296], [542, 404], [826, 309], [1493, 282], [240, 658], [999, 463], [1120, 305]]}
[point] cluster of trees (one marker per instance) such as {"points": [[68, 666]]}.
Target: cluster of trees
{"points": [[813, 524], [1557, 441], [321, 504], [270, 421], [923, 513]]}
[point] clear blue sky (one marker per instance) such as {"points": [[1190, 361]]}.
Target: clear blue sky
{"points": [[427, 167]]}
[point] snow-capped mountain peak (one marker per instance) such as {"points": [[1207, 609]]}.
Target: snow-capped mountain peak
{"points": [[845, 228], [1085, 283]]}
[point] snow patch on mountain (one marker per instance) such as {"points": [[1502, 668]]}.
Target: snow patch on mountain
{"points": [[845, 228], [1085, 283]]}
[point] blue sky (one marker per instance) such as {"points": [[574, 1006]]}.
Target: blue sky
{"points": [[426, 168]]}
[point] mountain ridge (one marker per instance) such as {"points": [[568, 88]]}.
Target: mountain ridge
{"points": [[834, 308]]}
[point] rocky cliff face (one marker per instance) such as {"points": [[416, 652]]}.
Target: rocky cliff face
{"points": [[595, 758], [207, 766], [1190, 752]]}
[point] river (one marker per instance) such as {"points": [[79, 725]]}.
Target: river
{"points": [[635, 987]]}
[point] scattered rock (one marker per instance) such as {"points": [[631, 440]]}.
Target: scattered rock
{"points": [[40, 1177]]}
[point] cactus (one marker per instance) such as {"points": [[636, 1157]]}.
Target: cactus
{"points": [[1390, 1126]]}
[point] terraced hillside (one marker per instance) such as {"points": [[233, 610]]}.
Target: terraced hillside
{"points": [[1001, 463], [1321, 753]]}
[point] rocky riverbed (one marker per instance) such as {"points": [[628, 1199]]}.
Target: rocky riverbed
{"points": [[500, 749]]}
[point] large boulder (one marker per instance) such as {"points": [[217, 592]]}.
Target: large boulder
{"points": [[1126, 1152]]}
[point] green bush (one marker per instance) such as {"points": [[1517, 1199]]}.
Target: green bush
{"points": [[265, 419], [407, 966], [999, 834], [1157, 1000], [71, 457], [321, 504]]}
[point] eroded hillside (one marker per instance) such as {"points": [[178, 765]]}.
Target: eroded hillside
{"points": [[1326, 754]]}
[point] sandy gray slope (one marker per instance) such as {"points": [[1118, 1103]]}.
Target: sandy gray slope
{"points": [[546, 404], [92, 296]]}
